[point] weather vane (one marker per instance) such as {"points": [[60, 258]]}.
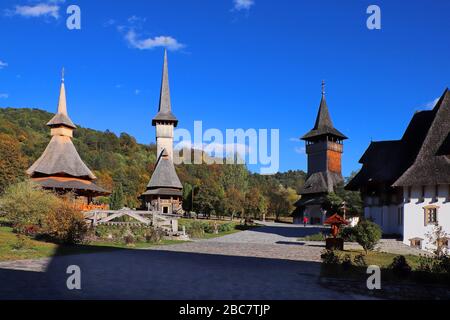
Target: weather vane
{"points": [[62, 74], [323, 87]]}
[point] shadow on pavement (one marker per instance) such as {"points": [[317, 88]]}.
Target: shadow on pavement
{"points": [[292, 232], [153, 274]]}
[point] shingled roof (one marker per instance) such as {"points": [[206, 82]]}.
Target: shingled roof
{"points": [[321, 182], [165, 107], [61, 117], [164, 175], [61, 157], [323, 125], [418, 158], [71, 184], [431, 167]]}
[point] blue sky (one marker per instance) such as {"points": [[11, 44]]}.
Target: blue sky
{"points": [[245, 64]]}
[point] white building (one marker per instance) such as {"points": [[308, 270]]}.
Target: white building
{"points": [[405, 183]]}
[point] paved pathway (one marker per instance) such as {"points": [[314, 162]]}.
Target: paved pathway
{"points": [[264, 263], [280, 241]]}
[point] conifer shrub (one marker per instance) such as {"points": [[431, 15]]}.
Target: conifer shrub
{"points": [[400, 267], [348, 234], [330, 257]]}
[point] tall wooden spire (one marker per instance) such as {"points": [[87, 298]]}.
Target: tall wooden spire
{"points": [[61, 118], [165, 107]]}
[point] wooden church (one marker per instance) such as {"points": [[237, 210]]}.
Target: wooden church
{"points": [[324, 147], [164, 191], [60, 167]]}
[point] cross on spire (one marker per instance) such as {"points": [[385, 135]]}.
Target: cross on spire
{"points": [[323, 87], [62, 74]]}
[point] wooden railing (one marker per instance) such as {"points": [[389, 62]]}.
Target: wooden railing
{"points": [[90, 207]]}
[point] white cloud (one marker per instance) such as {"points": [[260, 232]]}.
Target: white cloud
{"points": [[294, 139], [137, 91], [432, 104], [300, 150], [4, 95], [43, 9], [149, 43], [109, 23], [3, 64], [136, 20], [243, 4], [211, 148]]}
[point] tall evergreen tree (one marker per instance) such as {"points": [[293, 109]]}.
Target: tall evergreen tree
{"points": [[117, 198]]}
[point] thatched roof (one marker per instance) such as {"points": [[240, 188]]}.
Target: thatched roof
{"points": [[61, 157], [164, 175], [324, 125], [165, 108]]}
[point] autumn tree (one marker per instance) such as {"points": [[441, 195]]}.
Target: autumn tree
{"points": [[255, 203], [12, 162], [234, 202], [281, 201]]}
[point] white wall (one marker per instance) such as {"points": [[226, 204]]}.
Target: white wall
{"points": [[385, 216], [164, 138], [414, 226]]}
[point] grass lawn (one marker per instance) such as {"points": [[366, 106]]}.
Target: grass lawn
{"points": [[40, 249], [381, 259], [33, 250]]}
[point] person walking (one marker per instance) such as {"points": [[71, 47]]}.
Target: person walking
{"points": [[305, 221]]}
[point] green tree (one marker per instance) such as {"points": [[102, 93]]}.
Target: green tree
{"points": [[367, 234], [116, 201], [340, 197]]}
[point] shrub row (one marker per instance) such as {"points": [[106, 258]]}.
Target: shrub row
{"points": [[128, 234], [430, 269], [197, 229]]}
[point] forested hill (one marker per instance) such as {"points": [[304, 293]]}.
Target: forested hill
{"points": [[120, 160]]}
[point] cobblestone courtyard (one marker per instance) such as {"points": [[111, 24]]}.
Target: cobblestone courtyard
{"points": [[264, 263]]}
